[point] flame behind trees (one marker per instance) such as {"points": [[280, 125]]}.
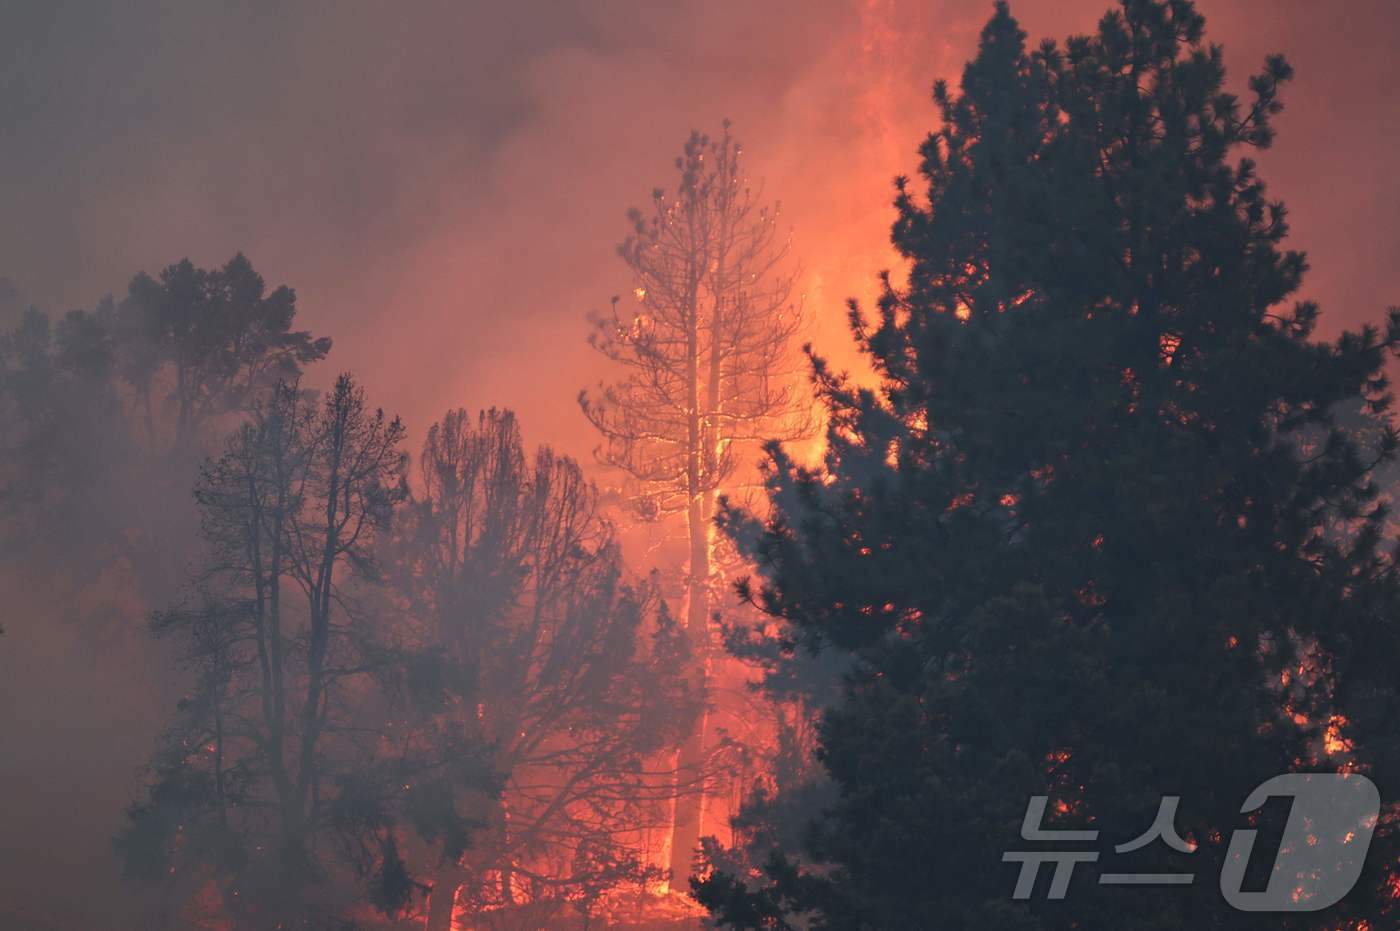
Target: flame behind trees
{"points": [[474, 695], [578, 673], [709, 371]]}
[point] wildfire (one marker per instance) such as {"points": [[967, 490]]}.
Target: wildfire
{"points": [[1169, 344], [1333, 741]]}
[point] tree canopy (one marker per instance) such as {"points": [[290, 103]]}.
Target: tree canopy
{"points": [[108, 411], [577, 673], [1099, 533]]}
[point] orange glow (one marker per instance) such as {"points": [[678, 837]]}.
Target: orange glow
{"points": [[1333, 741], [1169, 343], [962, 500]]}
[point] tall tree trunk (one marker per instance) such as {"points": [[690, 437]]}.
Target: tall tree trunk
{"points": [[690, 801], [442, 901], [690, 797], [705, 438]]}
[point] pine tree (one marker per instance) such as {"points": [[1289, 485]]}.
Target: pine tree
{"points": [[706, 358], [1097, 535]]}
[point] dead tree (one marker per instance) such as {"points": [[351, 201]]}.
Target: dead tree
{"points": [[708, 362]]}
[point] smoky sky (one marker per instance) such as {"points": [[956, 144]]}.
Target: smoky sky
{"points": [[444, 183]]}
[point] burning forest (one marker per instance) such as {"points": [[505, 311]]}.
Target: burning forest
{"points": [[600, 466]]}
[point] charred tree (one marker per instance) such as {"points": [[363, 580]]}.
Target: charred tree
{"points": [[707, 359]]}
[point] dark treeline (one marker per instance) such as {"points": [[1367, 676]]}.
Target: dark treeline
{"points": [[1111, 524]]}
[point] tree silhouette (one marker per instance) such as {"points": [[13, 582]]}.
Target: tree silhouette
{"points": [[578, 674], [310, 741], [107, 411], [707, 362], [1098, 535], [214, 340]]}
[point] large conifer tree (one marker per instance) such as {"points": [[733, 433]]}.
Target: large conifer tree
{"points": [[1096, 535], [705, 358]]}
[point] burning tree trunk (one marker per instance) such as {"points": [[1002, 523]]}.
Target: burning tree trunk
{"points": [[442, 901], [707, 353]]}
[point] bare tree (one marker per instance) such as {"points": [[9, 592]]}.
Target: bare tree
{"points": [[578, 673], [310, 735], [709, 366]]}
